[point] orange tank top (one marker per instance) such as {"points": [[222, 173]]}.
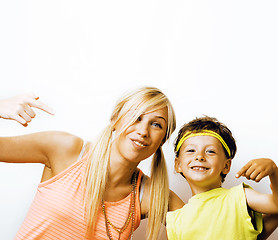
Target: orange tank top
{"points": [[58, 210]]}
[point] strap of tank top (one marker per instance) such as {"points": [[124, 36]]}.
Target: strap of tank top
{"points": [[82, 150], [142, 187]]}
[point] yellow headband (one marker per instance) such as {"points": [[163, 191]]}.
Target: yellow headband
{"points": [[203, 133]]}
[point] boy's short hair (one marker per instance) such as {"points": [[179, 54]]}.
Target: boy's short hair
{"points": [[209, 123]]}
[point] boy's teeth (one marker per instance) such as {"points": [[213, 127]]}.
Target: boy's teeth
{"points": [[140, 144], [199, 168]]}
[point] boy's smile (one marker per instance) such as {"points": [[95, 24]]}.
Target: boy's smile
{"points": [[202, 160]]}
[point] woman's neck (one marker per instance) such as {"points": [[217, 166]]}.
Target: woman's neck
{"points": [[120, 171], [120, 176]]}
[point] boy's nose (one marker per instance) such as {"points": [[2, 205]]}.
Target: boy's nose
{"points": [[200, 158]]}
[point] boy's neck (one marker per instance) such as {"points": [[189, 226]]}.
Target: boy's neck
{"points": [[197, 188]]}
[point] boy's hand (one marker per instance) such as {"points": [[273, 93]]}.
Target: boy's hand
{"points": [[257, 169], [19, 108]]}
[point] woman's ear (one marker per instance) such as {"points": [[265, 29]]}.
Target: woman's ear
{"points": [[163, 140], [227, 166], [113, 123], [177, 165]]}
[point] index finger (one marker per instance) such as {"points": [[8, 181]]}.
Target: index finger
{"points": [[40, 105], [34, 96], [243, 170]]}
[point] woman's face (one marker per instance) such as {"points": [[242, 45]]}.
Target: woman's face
{"points": [[140, 140]]}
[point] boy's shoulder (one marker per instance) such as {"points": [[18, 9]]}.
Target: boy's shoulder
{"points": [[235, 192]]}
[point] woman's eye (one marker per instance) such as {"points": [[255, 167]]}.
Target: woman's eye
{"points": [[157, 125], [139, 119]]}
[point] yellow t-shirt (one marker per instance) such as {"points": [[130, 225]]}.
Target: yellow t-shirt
{"points": [[217, 214]]}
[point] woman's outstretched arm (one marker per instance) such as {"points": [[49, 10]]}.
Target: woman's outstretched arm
{"points": [[48, 148], [19, 108]]}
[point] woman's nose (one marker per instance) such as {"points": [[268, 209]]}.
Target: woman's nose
{"points": [[143, 129]]}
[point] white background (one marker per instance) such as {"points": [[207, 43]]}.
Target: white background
{"points": [[217, 58]]}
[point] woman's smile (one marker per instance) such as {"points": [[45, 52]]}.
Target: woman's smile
{"points": [[139, 143]]}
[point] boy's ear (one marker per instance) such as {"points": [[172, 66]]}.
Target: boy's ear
{"points": [[177, 165], [227, 166]]}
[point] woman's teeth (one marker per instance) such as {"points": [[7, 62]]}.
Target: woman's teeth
{"points": [[139, 144]]}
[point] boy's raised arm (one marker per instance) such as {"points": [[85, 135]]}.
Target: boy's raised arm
{"points": [[255, 170]]}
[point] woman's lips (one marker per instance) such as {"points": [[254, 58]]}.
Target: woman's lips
{"points": [[139, 144]]}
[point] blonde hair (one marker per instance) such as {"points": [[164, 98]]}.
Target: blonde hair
{"points": [[141, 100]]}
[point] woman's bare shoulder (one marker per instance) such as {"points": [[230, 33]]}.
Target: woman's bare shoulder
{"points": [[175, 202], [145, 202], [64, 148]]}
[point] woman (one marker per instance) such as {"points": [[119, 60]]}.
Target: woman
{"points": [[96, 191]]}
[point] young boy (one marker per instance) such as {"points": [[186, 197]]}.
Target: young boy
{"points": [[204, 150]]}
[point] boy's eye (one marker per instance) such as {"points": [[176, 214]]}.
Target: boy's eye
{"points": [[190, 150], [210, 151], [139, 119]]}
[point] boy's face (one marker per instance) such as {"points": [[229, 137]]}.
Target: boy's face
{"points": [[201, 160]]}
